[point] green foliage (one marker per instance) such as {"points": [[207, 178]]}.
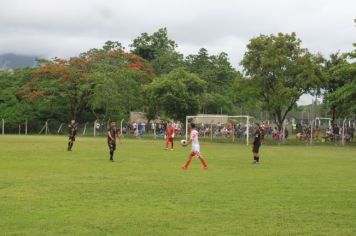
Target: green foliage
{"points": [[217, 71], [108, 83], [244, 93], [216, 103], [280, 72], [176, 94], [159, 50], [117, 92], [340, 94], [13, 105]]}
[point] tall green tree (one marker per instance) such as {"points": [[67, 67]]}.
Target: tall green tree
{"points": [[219, 74], [245, 96], [280, 71], [336, 78], [159, 50], [13, 105], [340, 94], [120, 77], [175, 95]]}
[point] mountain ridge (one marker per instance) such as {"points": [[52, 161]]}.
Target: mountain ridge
{"points": [[13, 60]]}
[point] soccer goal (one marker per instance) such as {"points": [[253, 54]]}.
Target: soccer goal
{"points": [[348, 129], [222, 128], [320, 129]]}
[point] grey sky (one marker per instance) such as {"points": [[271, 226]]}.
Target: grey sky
{"points": [[67, 27]]}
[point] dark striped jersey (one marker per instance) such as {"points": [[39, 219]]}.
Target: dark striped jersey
{"points": [[72, 129], [113, 133], [257, 140]]}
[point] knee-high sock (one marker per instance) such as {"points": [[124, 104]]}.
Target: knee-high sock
{"points": [[203, 162], [172, 145], [68, 145], [186, 164], [111, 154]]}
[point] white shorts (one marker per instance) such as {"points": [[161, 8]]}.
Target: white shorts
{"points": [[196, 148]]}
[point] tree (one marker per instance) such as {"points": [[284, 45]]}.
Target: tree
{"points": [[63, 80], [217, 71], [176, 94], [245, 96], [13, 105], [117, 92], [341, 87], [120, 78], [280, 71], [159, 50], [105, 81]]}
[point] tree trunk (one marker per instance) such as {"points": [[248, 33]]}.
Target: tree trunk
{"points": [[279, 123], [333, 115], [280, 116]]}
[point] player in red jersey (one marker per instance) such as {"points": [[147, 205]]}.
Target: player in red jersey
{"points": [[169, 135]]}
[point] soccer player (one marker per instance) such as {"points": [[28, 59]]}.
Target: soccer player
{"points": [[169, 135], [72, 128], [112, 135], [256, 144], [195, 149]]}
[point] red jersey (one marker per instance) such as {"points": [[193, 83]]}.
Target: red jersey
{"points": [[169, 131]]}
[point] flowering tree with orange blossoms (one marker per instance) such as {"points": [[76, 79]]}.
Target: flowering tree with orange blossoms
{"points": [[97, 81], [120, 78]]}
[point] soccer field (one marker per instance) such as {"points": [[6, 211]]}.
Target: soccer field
{"points": [[296, 190]]}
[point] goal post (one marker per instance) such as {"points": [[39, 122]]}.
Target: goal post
{"points": [[348, 126], [228, 126], [317, 126]]}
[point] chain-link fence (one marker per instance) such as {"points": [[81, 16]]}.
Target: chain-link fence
{"points": [[90, 128], [233, 130]]}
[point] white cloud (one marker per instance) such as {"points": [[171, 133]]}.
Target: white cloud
{"points": [[65, 27], [324, 26]]}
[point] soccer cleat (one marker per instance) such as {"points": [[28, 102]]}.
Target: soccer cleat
{"points": [[254, 162], [171, 149], [205, 168], [184, 168]]}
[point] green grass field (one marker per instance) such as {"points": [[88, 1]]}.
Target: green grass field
{"points": [[296, 190]]}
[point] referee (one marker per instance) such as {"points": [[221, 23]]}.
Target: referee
{"points": [[256, 144]]}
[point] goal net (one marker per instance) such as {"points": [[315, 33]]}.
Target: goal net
{"points": [[321, 130], [222, 128]]}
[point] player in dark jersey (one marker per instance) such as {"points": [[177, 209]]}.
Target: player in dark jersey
{"points": [[72, 132], [112, 135], [257, 144]]}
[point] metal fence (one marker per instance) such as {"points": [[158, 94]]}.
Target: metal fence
{"points": [[319, 131]]}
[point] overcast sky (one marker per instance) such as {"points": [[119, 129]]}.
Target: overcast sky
{"points": [[65, 28]]}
